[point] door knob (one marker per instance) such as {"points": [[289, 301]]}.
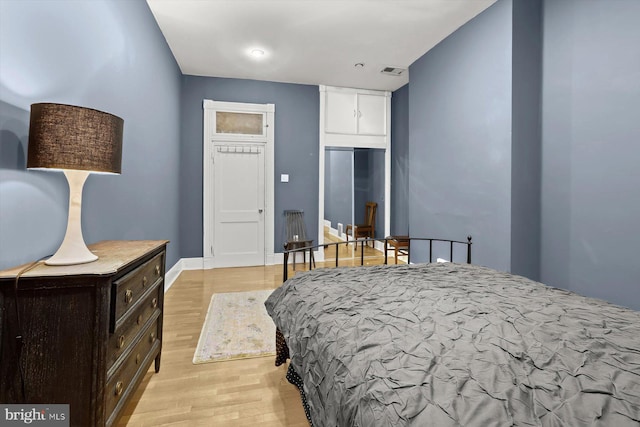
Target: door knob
{"points": [[259, 210]]}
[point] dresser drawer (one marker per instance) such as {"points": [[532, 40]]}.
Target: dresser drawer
{"points": [[131, 324], [130, 288], [122, 381]]}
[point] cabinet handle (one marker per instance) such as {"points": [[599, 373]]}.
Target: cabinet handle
{"points": [[152, 336], [121, 341], [154, 302], [119, 388], [138, 359], [157, 270], [359, 113], [139, 320], [144, 281], [128, 296], [354, 113]]}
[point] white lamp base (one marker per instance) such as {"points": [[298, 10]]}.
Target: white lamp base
{"points": [[73, 250]]}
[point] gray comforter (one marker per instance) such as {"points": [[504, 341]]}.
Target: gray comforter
{"points": [[456, 344]]}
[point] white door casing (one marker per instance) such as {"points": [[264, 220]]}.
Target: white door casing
{"points": [[238, 181]]}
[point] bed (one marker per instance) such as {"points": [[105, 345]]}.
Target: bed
{"points": [[448, 344]]}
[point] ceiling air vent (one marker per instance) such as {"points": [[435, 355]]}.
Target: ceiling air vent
{"points": [[393, 71]]}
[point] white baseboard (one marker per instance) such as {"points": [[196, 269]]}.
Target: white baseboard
{"points": [[171, 275], [184, 264], [335, 233], [192, 263], [180, 266]]}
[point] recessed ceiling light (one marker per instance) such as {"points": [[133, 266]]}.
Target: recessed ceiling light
{"points": [[257, 53]]}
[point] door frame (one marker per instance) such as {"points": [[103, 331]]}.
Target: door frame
{"points": [[209, 139], [328, 139]]}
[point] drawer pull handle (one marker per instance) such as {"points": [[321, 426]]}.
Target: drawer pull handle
{"points": [[139, 320], [138, 359], [128, 296], [121, 341], [152, 336], [144, 281], [157, 270], [154, 302], [119, 388]]}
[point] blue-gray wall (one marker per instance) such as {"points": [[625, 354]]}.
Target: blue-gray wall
{"points": [[525, 144], [400, 162], [523, 131], [591, 148], [296, 150], [338, 188], [460, 138], [104, 54]]}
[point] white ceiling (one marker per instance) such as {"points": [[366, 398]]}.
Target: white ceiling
{"points": [[308, 41]]}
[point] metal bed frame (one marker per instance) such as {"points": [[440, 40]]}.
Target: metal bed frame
{"points": [[285, 270]]}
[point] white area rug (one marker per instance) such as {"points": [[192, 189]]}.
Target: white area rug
{"points": [[237, 326]]}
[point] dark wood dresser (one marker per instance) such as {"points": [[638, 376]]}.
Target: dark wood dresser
{"points": [[89, 331]]}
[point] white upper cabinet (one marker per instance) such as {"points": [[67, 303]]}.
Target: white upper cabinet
{"points": [[355, 111], [341, 110], [372, 114], [358, 118]]}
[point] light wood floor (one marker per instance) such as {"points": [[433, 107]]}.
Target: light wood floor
{"points": [[350, 254], [230, 393]]}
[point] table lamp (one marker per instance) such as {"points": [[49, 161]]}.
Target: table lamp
{"points": [[77, 141]]}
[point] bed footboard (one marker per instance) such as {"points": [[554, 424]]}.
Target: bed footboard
{"points": [[386, 241]]}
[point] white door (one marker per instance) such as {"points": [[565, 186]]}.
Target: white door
{"points": [[239, 194]]}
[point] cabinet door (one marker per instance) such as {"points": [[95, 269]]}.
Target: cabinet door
{"points": [[340, 110], [372, 119]]}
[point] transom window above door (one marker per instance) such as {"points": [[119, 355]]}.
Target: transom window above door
{"points": [[240, 124]]}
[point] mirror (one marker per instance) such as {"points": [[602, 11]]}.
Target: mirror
{"points": [[338, 192], [352, 177]]}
